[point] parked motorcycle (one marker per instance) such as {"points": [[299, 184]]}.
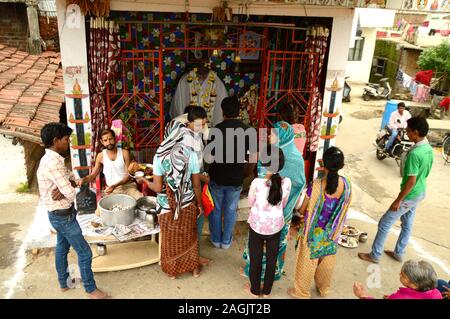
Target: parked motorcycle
{"points": [[399, 149], [377, 91], [346, 92]]}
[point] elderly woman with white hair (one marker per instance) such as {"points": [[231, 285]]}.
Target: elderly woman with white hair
{"points": [[419, 279]]}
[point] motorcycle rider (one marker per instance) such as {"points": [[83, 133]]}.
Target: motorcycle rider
{"points": [[398, 120]]}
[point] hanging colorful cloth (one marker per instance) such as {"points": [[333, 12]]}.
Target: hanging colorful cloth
{"points": [[399, 76], [413, 87], [406, 80], [445, 103], [422, 93], [424, 77]]}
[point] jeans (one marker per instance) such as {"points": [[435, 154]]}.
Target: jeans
{"points": [[226, 199], [256, 244], [442, 284], [394, 133], [406, 213], [68, 233]]}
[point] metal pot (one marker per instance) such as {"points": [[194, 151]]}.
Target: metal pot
{"points": [[363, 237], [152, 218], [112, 217], [101, 249], [144, 205]]}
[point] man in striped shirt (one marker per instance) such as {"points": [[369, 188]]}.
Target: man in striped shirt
{"points": [[57, 191]]}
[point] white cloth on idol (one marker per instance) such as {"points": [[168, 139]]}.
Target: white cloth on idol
{"points": [[182, 98]]}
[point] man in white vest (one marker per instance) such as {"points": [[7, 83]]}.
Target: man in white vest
{"points": [[200, 87], [115, 162]]}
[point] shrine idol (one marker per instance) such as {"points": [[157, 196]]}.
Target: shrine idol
{"points": [[200, 87]]}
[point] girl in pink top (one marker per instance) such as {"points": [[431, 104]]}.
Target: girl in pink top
{"points": [[419, 279], [267, 196]]}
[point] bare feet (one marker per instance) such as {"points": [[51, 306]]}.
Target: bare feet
{"points": [[391, 254], [248, 290], [367, 257], [172, 277], [265, 296], [98, 294], [65, 289], [196, 272], [204, 261], [242, 272]]}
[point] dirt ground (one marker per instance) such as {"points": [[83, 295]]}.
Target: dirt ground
{"points": [[23, 275]]}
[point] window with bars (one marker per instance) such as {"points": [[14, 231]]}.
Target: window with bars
{"points": [[355, 53], [379, 66]]}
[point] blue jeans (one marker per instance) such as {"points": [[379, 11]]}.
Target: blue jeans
{"points": [[68, 233], [441, 284], [406, 213], [392, 138], [226, 200]]}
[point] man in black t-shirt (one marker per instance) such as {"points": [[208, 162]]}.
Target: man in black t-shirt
{"points": [[231, 139]]}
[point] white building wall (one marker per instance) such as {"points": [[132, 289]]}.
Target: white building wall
{"points": [[360, 70]]}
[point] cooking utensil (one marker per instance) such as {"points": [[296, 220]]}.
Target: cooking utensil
{"points": [[124, 216], [363, 237], [152, 219], [144, 205]]}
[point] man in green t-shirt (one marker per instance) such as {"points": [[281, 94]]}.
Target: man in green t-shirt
{"points": [[413, 187]]}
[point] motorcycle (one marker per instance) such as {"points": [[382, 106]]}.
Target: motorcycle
{"points": [[377, 91], [346, 92], [398, 150]]}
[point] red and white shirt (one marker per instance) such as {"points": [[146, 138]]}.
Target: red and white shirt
{"points": [[52, 174]]}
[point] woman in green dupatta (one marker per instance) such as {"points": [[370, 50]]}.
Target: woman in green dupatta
{"points": [[282, 135], [323, 212]]}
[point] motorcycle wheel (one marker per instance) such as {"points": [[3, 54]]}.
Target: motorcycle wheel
{"points": [[380, 155], [446, 149], [366, 97]]}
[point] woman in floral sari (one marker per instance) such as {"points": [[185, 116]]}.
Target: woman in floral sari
{"points": [[323, 211], [283, 136]]}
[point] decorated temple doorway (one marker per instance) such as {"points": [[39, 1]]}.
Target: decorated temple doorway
{"points": [[264, 61]]}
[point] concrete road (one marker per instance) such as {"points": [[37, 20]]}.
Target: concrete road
{"points": [[23, 275]]}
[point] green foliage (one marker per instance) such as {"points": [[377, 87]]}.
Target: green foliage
{"points": [[23, 188], [436, 58], [386, 50]]}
